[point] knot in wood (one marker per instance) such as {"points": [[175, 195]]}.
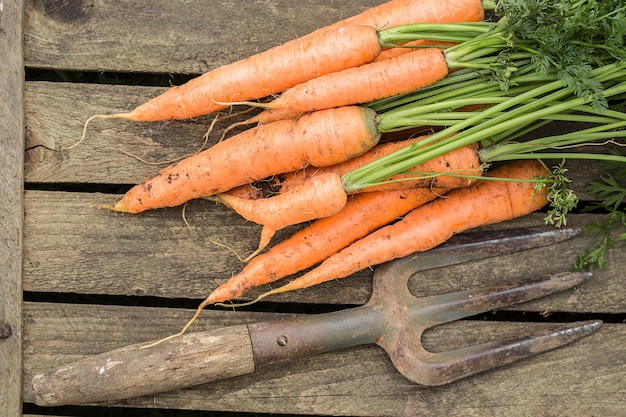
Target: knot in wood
{"points": [[67, 10], [5, 329]]}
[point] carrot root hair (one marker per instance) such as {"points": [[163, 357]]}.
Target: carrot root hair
{"points": [[232, 126], [256, 300], [267, 234], [205, 140], [90, 119], [252, 104], [233, 250], [186, 327]]}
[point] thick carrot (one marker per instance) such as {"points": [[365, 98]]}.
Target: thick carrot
{"points": [[366, 83], [320, 197], [361, 215], [486, 202], [457, 164], [288, 145]]}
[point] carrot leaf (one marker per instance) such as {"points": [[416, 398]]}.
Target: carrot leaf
{"points": [[613, 200], [561, 199], [603, 240]]}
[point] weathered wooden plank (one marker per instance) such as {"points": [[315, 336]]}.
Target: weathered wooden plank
{"points": [[71, 246], [55, 116], [167, 36], [55, 113], [584, 378], [11, 205]]}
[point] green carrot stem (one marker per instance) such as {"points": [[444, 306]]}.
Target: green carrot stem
{"points": [[562, 155], [457, 32], [584, 136], [485, 125]]}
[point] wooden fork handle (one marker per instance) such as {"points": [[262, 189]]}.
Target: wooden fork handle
{"points": [[141, 369]]}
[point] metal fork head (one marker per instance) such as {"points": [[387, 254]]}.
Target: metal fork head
{"points": [[408, 317]]}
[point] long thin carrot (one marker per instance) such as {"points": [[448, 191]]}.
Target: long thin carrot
{"points": [[361, 215], [452, 170], [486, 202], [366, 83], [320, 197], [263, 74], [257, 153], [347, 43], [344, 44]]}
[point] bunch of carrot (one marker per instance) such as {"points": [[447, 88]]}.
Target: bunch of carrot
{"points": [[317, 146]]}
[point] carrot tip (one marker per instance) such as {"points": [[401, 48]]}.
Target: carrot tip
{"points": [[266, 236], [215, 242], [119, 207]]}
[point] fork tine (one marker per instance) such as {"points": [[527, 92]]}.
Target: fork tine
{"points": [[444, 308], [434, 369], [408, 355]]}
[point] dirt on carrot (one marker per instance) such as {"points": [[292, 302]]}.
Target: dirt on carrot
{"points": [[317, 139], [320, 197], [452, 170], [361, 215], [486, 202]]}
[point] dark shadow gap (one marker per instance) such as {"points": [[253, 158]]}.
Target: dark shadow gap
{"points": [[95, 411], [101, 77], [301, 308], [164, 302], [78, 187]]}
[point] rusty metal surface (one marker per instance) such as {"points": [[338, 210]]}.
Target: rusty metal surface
{"points": [[395, 319]]}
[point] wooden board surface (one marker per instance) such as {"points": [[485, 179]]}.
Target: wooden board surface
{"points": [[156, 254], [579, 379], [167, 36], [100, 270], [11, 187], [56, 112]]}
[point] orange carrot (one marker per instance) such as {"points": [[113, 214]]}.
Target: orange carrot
{"points": [[366, 83], [360, 216], [263, 74], [315, 139], [403, 12], [460, 162], [320, 197], [486, 202], [347, 43]]}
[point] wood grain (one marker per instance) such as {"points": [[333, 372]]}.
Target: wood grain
{"points": [[56, 112], [148, 368], [156, 254], [71, 250], [11, 206], [166, 36], [584, 378]]}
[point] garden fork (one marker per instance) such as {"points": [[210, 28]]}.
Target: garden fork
{"points": [[393, 318]]}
